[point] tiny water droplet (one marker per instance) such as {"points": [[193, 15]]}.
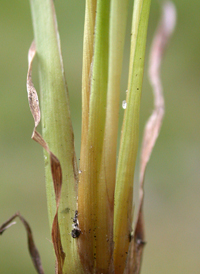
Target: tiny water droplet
{"points": [[124, 104]]}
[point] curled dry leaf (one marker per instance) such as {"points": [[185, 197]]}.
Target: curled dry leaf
{"points": [[152, 129], [55, 164], [57, 179], [31, 245], [7, 224], [32, 94]]}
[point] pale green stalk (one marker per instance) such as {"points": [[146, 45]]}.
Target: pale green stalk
{"points": [[92, 202], [85, 246], [118, 18], [88, 46], [129, 138], [56, 125]]}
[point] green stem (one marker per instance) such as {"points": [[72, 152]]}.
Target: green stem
{"points": [[92, 200], [118, 18], [85, 246], [56, 125], [88, 45], [129, 139]]}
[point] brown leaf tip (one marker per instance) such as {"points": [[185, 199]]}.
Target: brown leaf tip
{"points": [[32, 94]]}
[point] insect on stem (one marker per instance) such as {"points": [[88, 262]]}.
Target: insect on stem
{"points": [[76, 230]]}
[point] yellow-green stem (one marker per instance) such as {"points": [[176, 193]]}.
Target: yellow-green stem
{"points": [[56, 125], [85, 246], [92, 201], [129, 139], [118, 18]]}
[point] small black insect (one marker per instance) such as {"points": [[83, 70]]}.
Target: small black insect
{"points": [[76, 230], [75, 219]]}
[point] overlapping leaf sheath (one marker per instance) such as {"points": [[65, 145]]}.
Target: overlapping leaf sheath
{"points": [[55, 164], [56, 130]]}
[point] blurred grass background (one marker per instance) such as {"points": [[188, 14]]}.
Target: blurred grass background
{"points": [[172, 189]]}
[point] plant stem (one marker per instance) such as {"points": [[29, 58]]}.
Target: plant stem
{"points": [[84, 244], [56, 125], [123, 215], [92, 201], [118, 18]]}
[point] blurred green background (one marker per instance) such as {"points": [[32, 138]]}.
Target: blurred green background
{"points": [[172, 189]]}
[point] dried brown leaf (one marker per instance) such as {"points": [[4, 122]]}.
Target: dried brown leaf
{"points": [[32, 94], [32, 248], [57, 180], [55, 164], [35, 256], [153, 125], [7, 224]]}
